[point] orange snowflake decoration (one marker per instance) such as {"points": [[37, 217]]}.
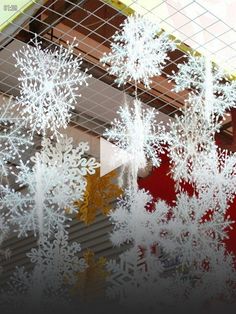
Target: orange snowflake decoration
{"points": [[99, 195]]}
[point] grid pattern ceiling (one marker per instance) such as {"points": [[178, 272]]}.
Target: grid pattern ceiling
{"points": [[207, 26], [93, 22]]}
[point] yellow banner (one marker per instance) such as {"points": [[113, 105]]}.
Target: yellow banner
{"points": [[10, 10]]}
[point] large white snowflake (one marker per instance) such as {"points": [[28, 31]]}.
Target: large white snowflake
{"points": [[49, 85], [139, 135], [52, 184], [189, 135], [13, 140], [206, 81], [138, 51], [215, 178]]}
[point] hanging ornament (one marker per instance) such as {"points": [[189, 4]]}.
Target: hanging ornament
{"points": [[207, 82], [99, 195], [135, 221], [138, 52], [139, 135], [189, 135], [45, 287], [138, 281], [215, 178], [48, 86], [58, 260]]}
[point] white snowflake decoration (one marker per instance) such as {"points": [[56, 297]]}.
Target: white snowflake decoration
{"points": [[189, 135], [193, 232], [46, 287], [138, 52], [49, 85], [13, 141], [136, 279], [208, 82], [55, 181], [58, 259], [139, 135], [215, 178], [136, 222]]}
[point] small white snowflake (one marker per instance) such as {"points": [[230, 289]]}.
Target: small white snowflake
{"points": [[136, 279], [49, 85], [13, 140], [139, 135], [189, 135], [138, 52], [55, 181], [58, 259], [136, 222], [207, 82], [215, 178]]}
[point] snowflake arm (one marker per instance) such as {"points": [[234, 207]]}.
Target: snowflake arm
{"points": [[13, 141]]}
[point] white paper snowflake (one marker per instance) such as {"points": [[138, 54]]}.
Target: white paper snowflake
{"points": [[207, 82], [58, 259], [136, 279], [48, 85], [193, 232], [138, 51], [139, 135], [56, 264], [215, 178], [189, 135], [54, 182], [136, 222], [13, 140]]}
